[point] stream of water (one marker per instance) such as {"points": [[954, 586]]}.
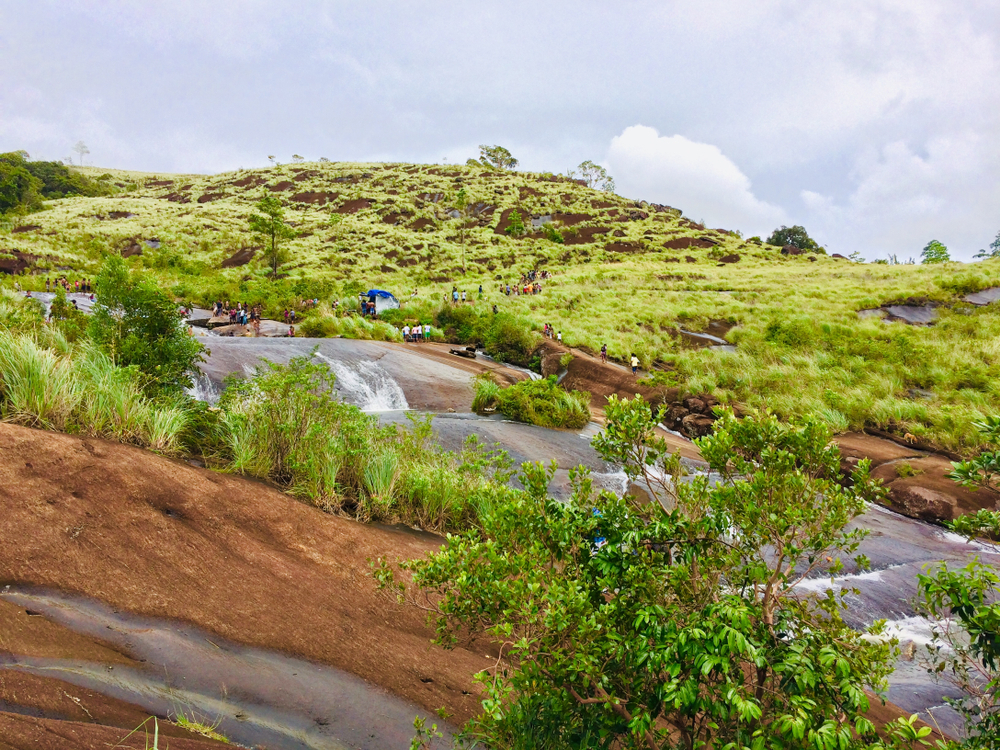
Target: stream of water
{"points": [[256, 697]]}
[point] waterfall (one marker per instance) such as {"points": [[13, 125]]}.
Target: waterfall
{"points": [[367, 384], [204, 389]]}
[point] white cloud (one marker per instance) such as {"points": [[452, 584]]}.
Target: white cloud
{"points": [[902, 199], [694, 177]]}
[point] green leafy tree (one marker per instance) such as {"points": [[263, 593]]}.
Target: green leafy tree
{"points": [[19, 189], [57, 181], [516, 226], [595, 176], [796, 236], [934, 252], [270, 225], [497, 157], [675, 623], [139, 326], [993, 252]]}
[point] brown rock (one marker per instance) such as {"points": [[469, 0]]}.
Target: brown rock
{"points": [[696, 425], [695, 405]]}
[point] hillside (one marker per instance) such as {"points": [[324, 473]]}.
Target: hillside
{"points": [[636, 276]]}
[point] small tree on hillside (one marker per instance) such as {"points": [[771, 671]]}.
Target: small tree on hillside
{"points": [[270, 225], [993, 252], [497, 157], [934, 252], [796, 236], [516, 227], [138, 325], [82, 150], [298, 159], [595, 176]]}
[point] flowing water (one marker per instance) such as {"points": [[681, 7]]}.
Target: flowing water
{"points": [[257, 697], [367, 385]]}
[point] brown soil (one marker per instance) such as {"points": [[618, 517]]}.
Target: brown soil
{"points": [[568, 220], [731, 258], [240, 257], [584, 235], [164, 539], [623, 247], [25, 228], [682, 243], [249, 181], [209, 197], [317, 198], [353, 206], [504, 221], [421, 223], [281, 187], [131, 250], [31, 733], [17, 264], [178, 198]]}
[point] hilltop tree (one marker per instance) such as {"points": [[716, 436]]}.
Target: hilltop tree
{"points": [[298, 159], [796, 236], [595, 176], [993, 252], [497, 157], [270, 225], [625, 625], [82, 150], [934, 252]]}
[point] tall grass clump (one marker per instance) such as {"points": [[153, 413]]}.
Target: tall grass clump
{"points": [[539, 402], [326, 324], [285, 425], [80, 390]]}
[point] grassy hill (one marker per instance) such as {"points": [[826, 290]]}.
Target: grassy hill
{"points": [[626, 273]]}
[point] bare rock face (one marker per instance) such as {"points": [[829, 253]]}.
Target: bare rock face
{"points": [[923, 503]]}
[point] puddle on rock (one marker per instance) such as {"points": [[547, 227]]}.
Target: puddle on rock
{"points": [[258, 697]]}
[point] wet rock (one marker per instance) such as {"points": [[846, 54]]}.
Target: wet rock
{"points": [[696, 425], [922, 502], [695, 405]]}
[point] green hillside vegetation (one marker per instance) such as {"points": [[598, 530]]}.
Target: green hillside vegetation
{"points": [[626, 273]]}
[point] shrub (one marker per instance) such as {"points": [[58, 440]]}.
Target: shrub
{"points": [[539, 402], [139, 325]]}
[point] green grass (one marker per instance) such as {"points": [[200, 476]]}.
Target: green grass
{"points": [[801, 347]]}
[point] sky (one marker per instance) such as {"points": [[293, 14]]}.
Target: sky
{"points": [[873, 123]]}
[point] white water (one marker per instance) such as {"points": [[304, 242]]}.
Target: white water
{"points": [[204, 390], [368, 385]]}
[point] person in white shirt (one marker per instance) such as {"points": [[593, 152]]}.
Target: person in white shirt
{"points": [[406, 333], [559, 337], [427, 332], [417, 332]]}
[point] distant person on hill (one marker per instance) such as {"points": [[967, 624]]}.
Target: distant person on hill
{"points": [[454, 296], [285, 313], [495, 311], [47, 283], [559, 336], [463, 296], [480, 291], [604, 353], [635, 365]]}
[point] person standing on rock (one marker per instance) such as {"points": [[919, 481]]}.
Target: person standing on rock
{"points": [[416, 333], [406, 333], [291, 332], [604, 354], [635, 365]]}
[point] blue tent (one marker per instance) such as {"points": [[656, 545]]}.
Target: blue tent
{"points": [[383, 300]]}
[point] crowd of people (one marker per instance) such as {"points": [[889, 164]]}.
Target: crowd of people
{"points": [[79, 286], [419, 332]]}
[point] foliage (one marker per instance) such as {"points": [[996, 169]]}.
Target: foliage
{"points": [[539, 402], [505, 337], [270, 225], [80, 390], [140, 326], [964, 608], [19, 189], [993, 252], [934, 252], [516, 227], [56, 180], [594, 176], [71, 321], [625, 625], [552, 234], [795, 236], [285, 425], [497, 157]]}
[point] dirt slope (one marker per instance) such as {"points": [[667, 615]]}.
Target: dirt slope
{"points": [[163, 539]]}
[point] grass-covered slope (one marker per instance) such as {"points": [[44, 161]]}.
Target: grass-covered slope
{"points": [[626, 273]]}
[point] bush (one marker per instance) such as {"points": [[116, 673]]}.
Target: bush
{"points": [[139, 325], [285, 425], [539, 402], [503, 336]]}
